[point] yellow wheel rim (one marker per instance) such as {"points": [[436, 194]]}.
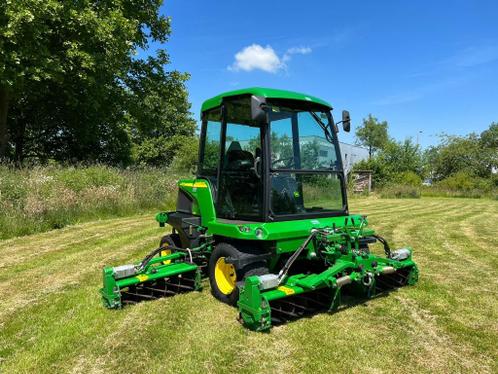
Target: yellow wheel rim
{"points": [[165, 253], [225, 277]]}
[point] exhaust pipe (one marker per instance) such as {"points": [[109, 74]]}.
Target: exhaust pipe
{"points": [[388, 270]]}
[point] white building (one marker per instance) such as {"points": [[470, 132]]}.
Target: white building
{"points": [[351, 154]]}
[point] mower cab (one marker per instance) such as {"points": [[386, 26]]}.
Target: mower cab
{"points": [[266, 218]]}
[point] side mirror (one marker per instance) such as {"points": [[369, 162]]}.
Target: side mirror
{"points": [[346, 121]]}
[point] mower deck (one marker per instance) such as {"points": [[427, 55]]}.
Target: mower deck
{"points": [[301, 295], [165, 279]]}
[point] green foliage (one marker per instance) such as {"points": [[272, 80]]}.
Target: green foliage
{"points": [[281, 148], [74, 86], [406, 184], [372, 134], [400, 157], [309, 155], [407, 178], [161, 150], [397, 160], [466, 182], [185, 159], [460, 181], [42, 198], [489, 137], [400, 192], [461, 166], [471, 154]]}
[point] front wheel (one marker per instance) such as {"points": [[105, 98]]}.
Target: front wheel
{"points": [[223, 276]]}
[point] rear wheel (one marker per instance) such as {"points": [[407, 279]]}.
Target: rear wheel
{"points": [[223, 276], [169, 241]]}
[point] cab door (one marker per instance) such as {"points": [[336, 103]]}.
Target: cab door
{"points": [[241, 183]]}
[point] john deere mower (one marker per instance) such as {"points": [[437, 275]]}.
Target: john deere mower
{"points": [[266, 219]]}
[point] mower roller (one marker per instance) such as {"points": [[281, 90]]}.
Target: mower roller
{"points": [[266, 218]]}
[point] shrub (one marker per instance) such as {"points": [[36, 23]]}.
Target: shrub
{"points": [[400, 192], [465, 182], [42, 198], [407, 178]]}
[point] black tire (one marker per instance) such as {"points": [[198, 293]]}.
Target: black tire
{"points": [[171, 239], [228, 250]]}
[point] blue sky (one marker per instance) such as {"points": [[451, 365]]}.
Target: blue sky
{"points": [[429, 66]]}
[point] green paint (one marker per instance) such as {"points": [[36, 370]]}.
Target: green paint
{"points": [[268, 93], [111, 291], [356, 265]]}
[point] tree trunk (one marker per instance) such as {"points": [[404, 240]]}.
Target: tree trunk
{"points": [[4, 133], [19, 141], [369, 152]]}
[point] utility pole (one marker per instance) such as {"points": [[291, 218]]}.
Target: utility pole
{"points": [[419, 133]]}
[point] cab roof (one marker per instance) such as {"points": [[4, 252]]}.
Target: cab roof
{"points": [[268, 93]]}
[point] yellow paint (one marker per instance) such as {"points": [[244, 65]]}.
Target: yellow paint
{"points": [[165, 253], [286, 290], [225, 277], [142, 277], [199, 184]]}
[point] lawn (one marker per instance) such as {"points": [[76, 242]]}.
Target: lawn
{"points": [[51, 318]]}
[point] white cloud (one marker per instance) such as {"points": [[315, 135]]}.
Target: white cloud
{"points": [[296, 51], [257, 57]]}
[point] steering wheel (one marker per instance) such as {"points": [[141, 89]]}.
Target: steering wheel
{"points": [[284, 160]]}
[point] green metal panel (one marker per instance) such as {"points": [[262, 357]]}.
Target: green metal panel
{"points": [[288, 234], [200, 191], [263, 92]]}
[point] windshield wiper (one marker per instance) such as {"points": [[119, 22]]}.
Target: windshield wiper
{"points": [[324, 127]]}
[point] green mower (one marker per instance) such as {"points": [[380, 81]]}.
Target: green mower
{"points": [[266, 218]]}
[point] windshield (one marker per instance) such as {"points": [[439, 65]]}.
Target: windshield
{"points": [[304, 163], [299, 141]]}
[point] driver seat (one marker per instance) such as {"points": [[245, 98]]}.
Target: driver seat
{"points": [[237, 158]]}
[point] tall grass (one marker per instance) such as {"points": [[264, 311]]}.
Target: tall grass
{"points": [[42, 198]]}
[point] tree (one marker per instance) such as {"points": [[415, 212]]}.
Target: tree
{"points": [[372, 134], [460, 154], [489, 142], [401, 157], [489, 137], [309, 155], [396, 162], [71, 86]]}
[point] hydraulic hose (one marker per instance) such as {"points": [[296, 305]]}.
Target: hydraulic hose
{"points": [[149, 257], [156, 251], [387, 249]]}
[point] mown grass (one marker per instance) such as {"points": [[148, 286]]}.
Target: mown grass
{"points": [[38, 199], [51, 319]]}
